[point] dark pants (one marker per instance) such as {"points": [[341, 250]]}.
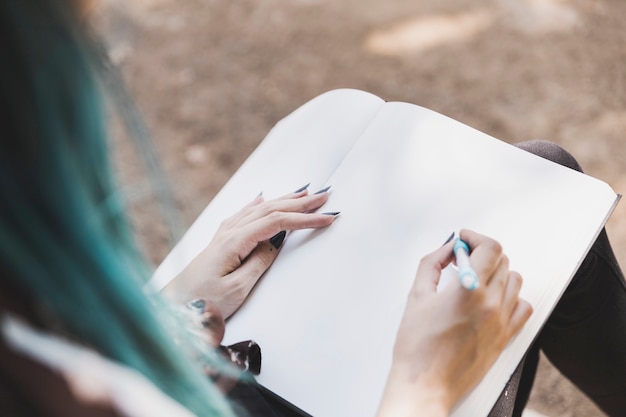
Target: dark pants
{"points": [[585, 336]]}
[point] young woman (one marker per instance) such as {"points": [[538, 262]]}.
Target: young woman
{"points": [[80, 335]]}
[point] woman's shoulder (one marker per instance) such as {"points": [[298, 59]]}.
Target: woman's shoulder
{"points": [[42, 374]]}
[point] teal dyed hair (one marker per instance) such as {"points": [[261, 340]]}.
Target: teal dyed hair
{"points": [[67, 257]]}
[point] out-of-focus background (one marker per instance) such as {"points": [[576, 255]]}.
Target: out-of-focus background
{"points": [[213, 76]]}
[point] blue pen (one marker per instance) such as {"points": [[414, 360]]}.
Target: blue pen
{"points": [[467, 275]]}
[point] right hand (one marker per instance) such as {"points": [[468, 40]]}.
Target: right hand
{"points": [[448, 340]]}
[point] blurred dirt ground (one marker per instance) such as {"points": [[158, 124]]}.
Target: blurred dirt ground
{"points": [[213, 76]]}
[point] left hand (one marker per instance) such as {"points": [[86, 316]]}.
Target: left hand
{"points": [[226, 271]]}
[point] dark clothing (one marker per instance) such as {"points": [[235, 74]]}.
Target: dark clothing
{"points": [[585, 336]]}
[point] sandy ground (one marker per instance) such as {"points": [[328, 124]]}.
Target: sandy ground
{"points": [[213, 76]]}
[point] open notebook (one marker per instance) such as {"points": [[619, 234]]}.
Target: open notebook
{"points": [[403, 178]]}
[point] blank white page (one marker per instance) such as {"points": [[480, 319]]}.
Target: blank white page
{"points": [[327, 311]]}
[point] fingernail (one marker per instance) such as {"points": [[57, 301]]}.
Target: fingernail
{"points": [[448, 239], [278, 238], [197, 305], [332, 213], [257, 197], [323, 190], [299, 190]]}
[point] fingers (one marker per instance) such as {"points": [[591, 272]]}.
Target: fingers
{"points": [[486, 258], [244, 278], [237, 217], [257, 200], [268, 226], [261, 221], [429, 271], [485, 255], [255, 251], [501, 286], [521, 313], [514, 309], [299, 201], [510, 294], [255, 265], [492, 267]]}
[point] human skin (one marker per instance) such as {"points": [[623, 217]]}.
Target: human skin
{"points": [[226, 271], [448, 340]]}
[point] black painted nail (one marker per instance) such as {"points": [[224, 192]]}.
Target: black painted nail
{"points": [[323, 190], [278, 238], [448, 239], [332, 213], [197, 305], [304, 187]]}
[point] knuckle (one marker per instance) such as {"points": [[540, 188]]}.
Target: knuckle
{"points": [[226, 223], [427, 260], [423, 262], [275, 217], [424, 266], [490, 310], [493, 246], [314, 201]]}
